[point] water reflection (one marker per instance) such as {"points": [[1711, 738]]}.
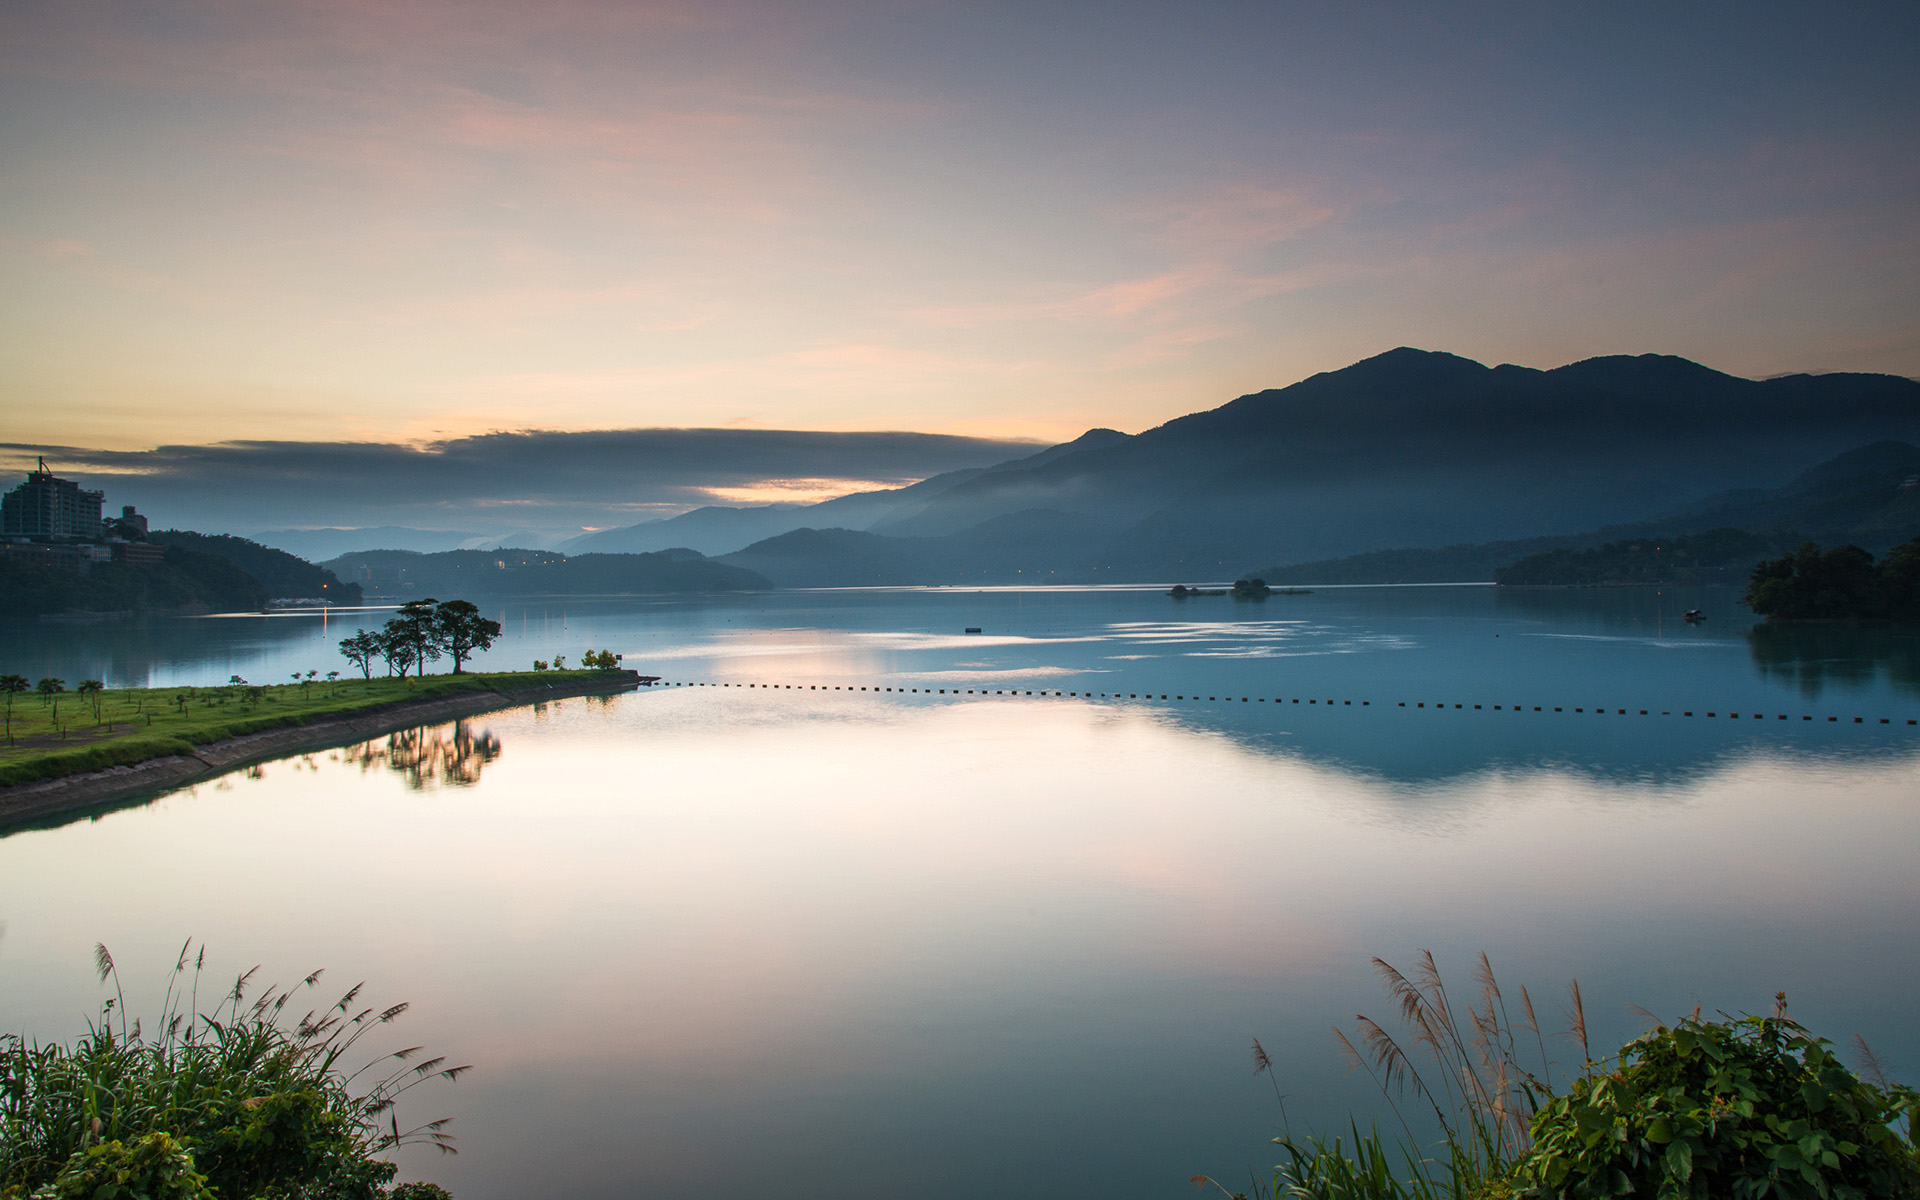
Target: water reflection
{"points": [[430, 756], [1811, 656], [700, 938]]}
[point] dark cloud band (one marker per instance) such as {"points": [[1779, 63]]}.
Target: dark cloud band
{"points": [[538, 478]]}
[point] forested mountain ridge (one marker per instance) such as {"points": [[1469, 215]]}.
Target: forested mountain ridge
{"points": [[283, 575]]}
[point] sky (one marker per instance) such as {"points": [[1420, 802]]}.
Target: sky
{"points": [[421, 222]]}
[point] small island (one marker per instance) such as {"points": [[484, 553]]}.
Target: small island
{"points": [[1243, 589], [1841, 584]]}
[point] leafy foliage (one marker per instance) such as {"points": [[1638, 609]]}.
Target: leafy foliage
{"points": [[1742, 1108], [153, 1167]]}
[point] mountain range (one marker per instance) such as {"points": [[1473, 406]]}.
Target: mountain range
{"points": [[1409, 450], [1394, 467]]}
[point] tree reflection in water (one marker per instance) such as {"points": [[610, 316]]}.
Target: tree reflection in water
{"points": [[1812, 654], [429, 756]]}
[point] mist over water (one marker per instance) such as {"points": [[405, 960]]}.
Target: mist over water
{"points": [[961, 939]]}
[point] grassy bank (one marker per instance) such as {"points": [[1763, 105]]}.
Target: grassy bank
{"points": [[70, 732]]}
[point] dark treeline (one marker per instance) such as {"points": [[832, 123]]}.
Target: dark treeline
{"points": [[183, 580], [280, 573], [1844, 583], [1719, 556]]}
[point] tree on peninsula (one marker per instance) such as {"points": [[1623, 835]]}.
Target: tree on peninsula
{"points": [[422, 631], [360, 650], [11, 686], [417, 628], [462, 630]]}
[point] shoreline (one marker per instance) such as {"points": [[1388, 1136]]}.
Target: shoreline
{"points": [[32, 801]]}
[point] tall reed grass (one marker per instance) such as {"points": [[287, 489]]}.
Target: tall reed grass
{"points": [[1473, 1073], [255, 1101]]}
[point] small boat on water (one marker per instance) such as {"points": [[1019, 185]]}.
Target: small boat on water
{"points": [[1691, 616]]}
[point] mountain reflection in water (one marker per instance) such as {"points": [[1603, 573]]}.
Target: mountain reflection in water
{"points": [[429, 756]]}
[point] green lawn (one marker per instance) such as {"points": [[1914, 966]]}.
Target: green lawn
{"points": [[70, 732]]}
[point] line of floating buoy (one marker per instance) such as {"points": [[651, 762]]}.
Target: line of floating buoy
{"points": [[1601, 710]]}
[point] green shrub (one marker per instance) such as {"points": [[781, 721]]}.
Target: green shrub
{"points": [[154, 1167], [1741, 1108]]}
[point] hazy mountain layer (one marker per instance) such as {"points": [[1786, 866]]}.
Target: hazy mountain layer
{"points": [[1410, 450], [717, 529], [517, 572]]}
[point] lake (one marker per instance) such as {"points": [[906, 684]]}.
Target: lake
{"points": [[860, 904]]}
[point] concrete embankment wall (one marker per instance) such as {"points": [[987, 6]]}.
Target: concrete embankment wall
{"points": [[32, 802]]}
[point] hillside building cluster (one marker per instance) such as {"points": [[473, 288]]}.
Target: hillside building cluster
{"points": [[55, 522]]}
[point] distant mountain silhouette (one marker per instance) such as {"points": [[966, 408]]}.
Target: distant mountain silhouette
{"points": [[316, 545], [710, 530], [1417, 459], [1869, 497], [1410, 449], [1019, 547], [523, 572]]}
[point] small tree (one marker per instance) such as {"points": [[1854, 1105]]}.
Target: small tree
{"points": [[11, 686], [462, 630], [361, 649], [49, 686], [396, 650], [91, 690], [417, 624]]}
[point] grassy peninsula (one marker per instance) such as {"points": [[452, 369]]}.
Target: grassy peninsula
{"points": [[52, 734]]}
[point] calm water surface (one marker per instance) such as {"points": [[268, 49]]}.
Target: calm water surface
{"points": [[804, 941]]}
